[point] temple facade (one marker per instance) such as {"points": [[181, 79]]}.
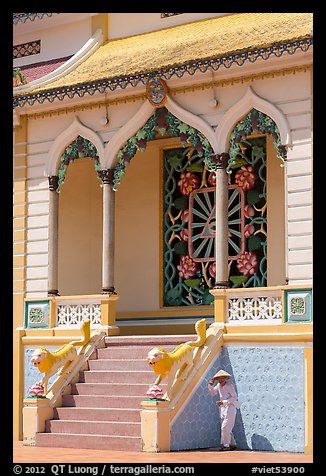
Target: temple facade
{"points": [[163, 174]]}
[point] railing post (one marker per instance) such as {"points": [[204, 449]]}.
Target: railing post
{"points": [[220, 305], [108, 315]]}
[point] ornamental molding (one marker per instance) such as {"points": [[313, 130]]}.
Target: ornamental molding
{"points": [[202, 66], [140, 118], [194, 121], [85, 51], [239, 110], [124, 133], [75, 129]]}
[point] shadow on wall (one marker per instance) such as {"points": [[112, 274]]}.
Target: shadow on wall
{"points": [[260, 443]]}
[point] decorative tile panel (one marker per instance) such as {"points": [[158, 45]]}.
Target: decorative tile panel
{"points": [[298, 305], [27, 49], [167, 15], [270, 386], [37, 314]]}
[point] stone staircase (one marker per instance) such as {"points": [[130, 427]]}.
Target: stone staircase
{"points": [[103, 409]]}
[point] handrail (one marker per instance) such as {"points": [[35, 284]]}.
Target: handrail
{"points": [[58, 387]]}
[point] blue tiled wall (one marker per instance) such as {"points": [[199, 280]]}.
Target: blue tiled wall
{"points": [[270, 386]]}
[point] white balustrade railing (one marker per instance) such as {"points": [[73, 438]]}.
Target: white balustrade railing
{"points": [[71, 312], [254, 307]]}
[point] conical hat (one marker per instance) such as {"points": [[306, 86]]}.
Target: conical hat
{"points": [[221, 373]]}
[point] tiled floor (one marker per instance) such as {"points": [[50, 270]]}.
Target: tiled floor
{"points": [[32, 454]]}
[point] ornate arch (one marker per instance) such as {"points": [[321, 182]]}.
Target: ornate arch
{"points": [[142, 117], [161, 122], [238, 111], [67, 138]]}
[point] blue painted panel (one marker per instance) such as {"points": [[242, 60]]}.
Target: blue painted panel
{"points": [[270, 386]]}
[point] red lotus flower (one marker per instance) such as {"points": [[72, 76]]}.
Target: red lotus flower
{"points": [[247, 263], [154, 391], [185, 215], [184, 234], [248, 230], [188, 182], [212, 178], [36, 390], [245, 177], [187, 267], [212, 269], [248, 211]]}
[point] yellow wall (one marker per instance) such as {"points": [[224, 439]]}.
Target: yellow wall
{"points": [[80, 230], [19, 266]]}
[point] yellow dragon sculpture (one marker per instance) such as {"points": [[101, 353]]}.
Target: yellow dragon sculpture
{"points": [[179, 361], [50, 362]]}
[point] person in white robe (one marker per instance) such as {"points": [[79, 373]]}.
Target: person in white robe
{"points": [[227, 404]]}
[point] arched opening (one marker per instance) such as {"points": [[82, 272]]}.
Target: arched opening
{"points": [[255, 165], [80, 220], [140, 210]]}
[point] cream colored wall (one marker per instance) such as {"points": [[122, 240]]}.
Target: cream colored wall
{"points": [[276, 268], [80, 230], [126, 24], [138, 221], [58, 42]]}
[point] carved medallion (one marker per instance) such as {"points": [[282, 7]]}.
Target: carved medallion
{"points": [[156, 91]]}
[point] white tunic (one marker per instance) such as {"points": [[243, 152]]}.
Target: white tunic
{"points": [[226, 393]]}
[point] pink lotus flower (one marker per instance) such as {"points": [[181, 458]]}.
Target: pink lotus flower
{"points": [[184, 234], [185, 215], [36, 390], [212, 269], [154, 391], [248, 211], [245, 177], [188, 182], [247, 263], [248, 230], [187, 267], [212, 178]]}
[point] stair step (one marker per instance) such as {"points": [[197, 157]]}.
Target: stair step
{"points": [[111, 389], [97, 414], [116, 376], [86, 441], [111, 428], [118, 364], [103, 401], [161, 340], [132, 352]]}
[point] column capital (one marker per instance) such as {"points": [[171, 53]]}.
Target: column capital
{"points": [[220, 161], [53, 182], [106, 175]]}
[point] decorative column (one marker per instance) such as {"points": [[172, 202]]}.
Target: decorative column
{"points": [[222, 228], [53, 236], [108, 231]]}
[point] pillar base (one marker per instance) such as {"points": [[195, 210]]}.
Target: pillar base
{"points": [[110, 290], [222, 285], [53, 292]]}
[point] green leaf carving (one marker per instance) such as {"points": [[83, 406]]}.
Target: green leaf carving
{"points": [[238, 280], [181, 248], [181, 203], [192, 283]]}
